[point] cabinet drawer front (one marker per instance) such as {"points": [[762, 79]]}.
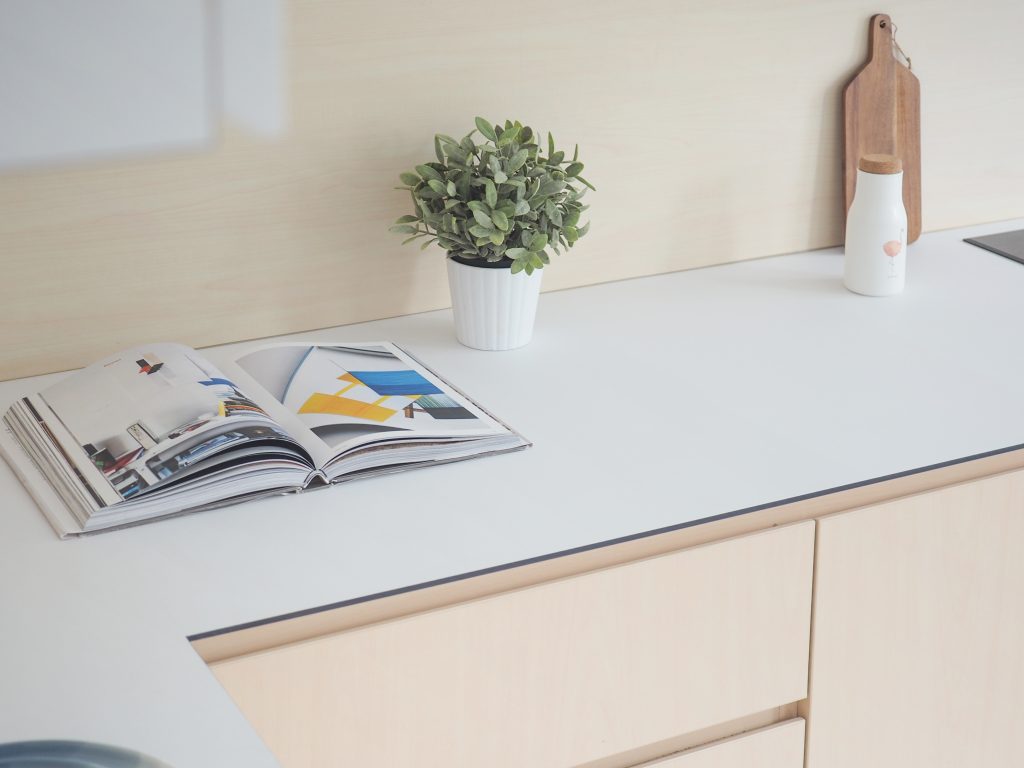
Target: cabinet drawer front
{"points": [[919, 631], [777, 746], [557, 674]]}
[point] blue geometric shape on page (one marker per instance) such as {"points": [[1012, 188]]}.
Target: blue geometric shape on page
{"points": [[386, 383]]}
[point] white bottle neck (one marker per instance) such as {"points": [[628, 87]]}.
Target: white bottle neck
{"points": [[880, 185]]}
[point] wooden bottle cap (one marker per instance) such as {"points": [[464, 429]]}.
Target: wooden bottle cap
{"points": [[880, 164]]}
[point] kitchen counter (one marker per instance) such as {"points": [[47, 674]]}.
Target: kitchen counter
{"points": [[652, 403]]}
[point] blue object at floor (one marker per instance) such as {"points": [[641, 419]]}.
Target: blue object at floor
{"points": [[71, 754]]}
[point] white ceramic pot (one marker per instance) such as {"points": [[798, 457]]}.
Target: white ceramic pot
{"points": [[494, 309]]}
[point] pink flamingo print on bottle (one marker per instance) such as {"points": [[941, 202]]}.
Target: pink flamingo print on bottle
{"points": [[892, 249]]}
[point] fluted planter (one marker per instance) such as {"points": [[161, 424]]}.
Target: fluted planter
{"points": [[494, 309]]}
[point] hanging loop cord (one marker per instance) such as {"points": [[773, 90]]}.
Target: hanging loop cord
{"points": [[898, 50]]}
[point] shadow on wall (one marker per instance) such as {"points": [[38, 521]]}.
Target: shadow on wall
{"points": [[134, 78]]}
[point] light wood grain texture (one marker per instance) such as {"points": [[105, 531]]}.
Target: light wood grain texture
{"points": [[699, 738], [330, 620], [918, 631], [882, 107], [558, 674], [882, 164], [777, 746], [695, 164]]}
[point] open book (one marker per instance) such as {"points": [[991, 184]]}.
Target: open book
{"points": [[163, 429]]}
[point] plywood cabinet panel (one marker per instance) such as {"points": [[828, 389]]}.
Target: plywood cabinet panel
{"points": [[918, 654], [777, 746], [557, 674]]}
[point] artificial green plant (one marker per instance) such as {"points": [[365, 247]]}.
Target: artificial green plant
{"points": [[503, 198]]}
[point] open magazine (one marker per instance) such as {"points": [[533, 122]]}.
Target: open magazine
{"points": [[164, 429]]}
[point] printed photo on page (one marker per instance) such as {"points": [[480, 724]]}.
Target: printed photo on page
{"points": [[144, 416]]}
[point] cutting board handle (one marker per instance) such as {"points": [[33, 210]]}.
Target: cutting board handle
{"points": [[881, 38]]}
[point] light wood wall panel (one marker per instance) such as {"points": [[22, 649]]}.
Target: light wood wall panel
{"points": [[711, 131]]}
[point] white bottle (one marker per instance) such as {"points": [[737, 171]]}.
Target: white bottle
{"points": [[876, 229]]}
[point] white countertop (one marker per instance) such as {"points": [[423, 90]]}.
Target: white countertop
{"points": [[652, 402]]}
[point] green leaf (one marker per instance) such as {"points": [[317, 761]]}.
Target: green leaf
{"points": [[483, 219], [414, 237], [437, 149], [406, 219], [583, 230], [447, 139], [490, 193], [456, 156], [515, 253], [572, 234], [535, 261], [509, 136], [500, 177], [493, 164], [527, 134], [517, 266], [571, 218], [556, 158], [518, 159], [500, 220], [427, 172], [409, 178], [581, 180], [538, 242], [427, 242], [522, 207], [573, 169], [479, 231], [551, 145], [498, 238], [545, 259], [486, 129], [550, 187], [576, 153], [437, 186], [402, 229], [450, 189]]}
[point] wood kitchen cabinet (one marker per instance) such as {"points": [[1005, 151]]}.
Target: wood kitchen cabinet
{"points": [[918, 643], [916, 652], [577, 670], [777, 746]]}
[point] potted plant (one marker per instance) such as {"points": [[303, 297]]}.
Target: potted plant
{"points": [[496, 208]]}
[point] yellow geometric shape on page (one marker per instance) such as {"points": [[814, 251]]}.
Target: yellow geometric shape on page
{"points": [[351, 380], [333, 405]]}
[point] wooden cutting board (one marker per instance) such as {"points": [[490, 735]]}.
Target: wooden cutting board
{"points": [[883, 116]]}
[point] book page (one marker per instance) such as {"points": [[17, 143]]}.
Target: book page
{"points": [[137, 419], [344, 396]]}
